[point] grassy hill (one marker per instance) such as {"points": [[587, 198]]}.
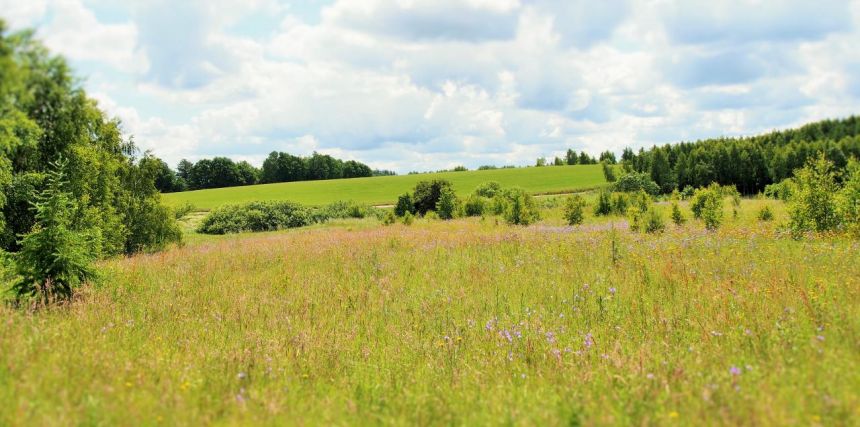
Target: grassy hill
{"points": [[384, 190]]}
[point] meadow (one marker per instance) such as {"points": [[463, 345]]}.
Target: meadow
{"points": [[468, 321], [385, 189]]}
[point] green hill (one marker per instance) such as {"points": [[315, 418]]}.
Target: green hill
{"points": [[385, 189]]}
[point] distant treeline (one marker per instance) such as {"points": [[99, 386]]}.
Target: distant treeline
{"points": [[749, 163], [222, 172]]}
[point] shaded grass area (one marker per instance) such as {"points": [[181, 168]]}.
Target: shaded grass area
{"points": [[464, 322], [385, 190]]}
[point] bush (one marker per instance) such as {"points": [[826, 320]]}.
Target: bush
{"points": [[620, 203], [448, 206], [404, 205], [474, 205], [849, 199], [520, 209], [677, 216], [498, 205], [255, 216], [765, 214], [183, 210], [608, 172], [707, 205], [345, 210], [654, 221], [813, 204], [633, 182], [781, 190], [408, 218], [573, 209], [604, 204], [427, 193], [488, 189], [431, 216], [389, 219], [54, 258]]}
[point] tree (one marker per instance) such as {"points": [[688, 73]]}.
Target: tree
{"points": [[707, 205], [608, 172], [520, 208], [634, 181], [574, 209], [849, 199], [404, 205], [570, 157], [607, 157], [813, 204], [448, 206], [541, 161], [426, 194], [488, 189], [604, 204], [166, 180], [54, 258]]}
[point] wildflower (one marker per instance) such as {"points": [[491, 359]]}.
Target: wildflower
{"points": [[716, 334], [612, 291], [518, 334], [506, 335], [491, 324], [585, 287], [241, 376], [550, 337], [588, 341], [557, 353], [734, 370], [650, 376], [673, 414], [819, 337]]}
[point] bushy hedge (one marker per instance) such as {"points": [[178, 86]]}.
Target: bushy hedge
{"points": [[278, 215]]}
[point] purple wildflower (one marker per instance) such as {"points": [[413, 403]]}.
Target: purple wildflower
{"points": [[550, 337], [734, 370], [588, 341], [506, 335], [491, 324], [612, 291]]}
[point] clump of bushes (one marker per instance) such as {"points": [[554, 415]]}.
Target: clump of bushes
{"points": [[765, 214], [519, 207], [707, 205], [574, 209], [677, 216], [448, 206], [279, 215], [820, 202], [634, 181], [475, 205]]}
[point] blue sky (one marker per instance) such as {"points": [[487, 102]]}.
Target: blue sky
{"points": [[430, 84]]}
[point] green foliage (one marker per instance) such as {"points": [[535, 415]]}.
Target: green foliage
{"points": [[707, 205], [475, 205], [488, 189], [448, 206], [344, 210], [427, 193], [677, 217], [654, 222], [608, 172], [574, 209], [620, 202], [54, 258], [765, 214], [390, 218], [255, 216], [604, 204], [849, 199], [404, 205], [633, 182], [408, 218], [813, 205], [183, 210], [520, 208], [781, 190]]}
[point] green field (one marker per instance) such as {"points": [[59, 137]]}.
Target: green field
{"points": [[465, 322], [384, 190]]}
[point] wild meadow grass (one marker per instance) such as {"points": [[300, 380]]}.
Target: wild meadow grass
{"points": [[464, 322]]}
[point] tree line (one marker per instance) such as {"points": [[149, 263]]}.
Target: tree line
{"points": [[221, 172]]}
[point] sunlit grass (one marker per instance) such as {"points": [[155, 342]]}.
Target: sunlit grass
{"points": [[386, 189], [463, 322]]}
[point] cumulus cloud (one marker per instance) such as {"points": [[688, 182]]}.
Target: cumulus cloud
{"points": [[421, 84]]}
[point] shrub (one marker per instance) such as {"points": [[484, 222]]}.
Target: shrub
{"points": [[498, 204], [408, 218], [520, 209], [54, 258], [849, 199], [404, 205], [448, 206], [427, 193], [654, 221], [707, 205], [620, 203], [183, 210], [677, 216], [765, 214], [474, 205], [813, 204], [633, 182], [389, 219], [781, 190], [431, 215], [573, 209], [255, 216], [604, 204], [488, 189], [687, 192], [608, 172], [344, 210]]}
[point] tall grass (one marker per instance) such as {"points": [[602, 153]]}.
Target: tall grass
{"points": [[462, 322]]}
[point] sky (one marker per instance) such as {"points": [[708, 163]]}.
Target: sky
{"points": [[431, 84]]}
